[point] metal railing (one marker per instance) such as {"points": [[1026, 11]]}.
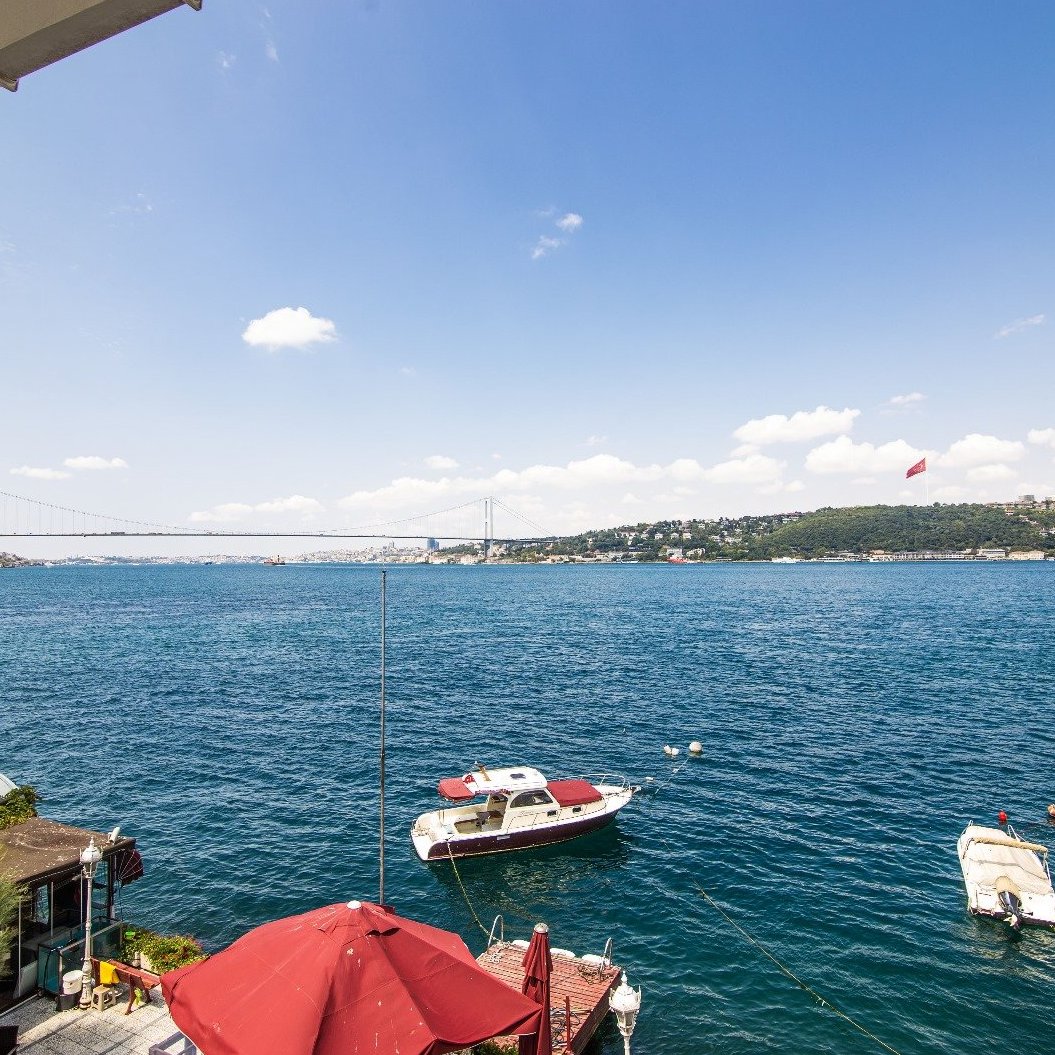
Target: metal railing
{"points": [[107, 942]]}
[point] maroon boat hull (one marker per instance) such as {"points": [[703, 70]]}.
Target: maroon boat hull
{"points": [[528, 839]]}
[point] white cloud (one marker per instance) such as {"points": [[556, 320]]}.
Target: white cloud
{"points": [[271, 51], [545, 245], [1018, 326], [225, 60], [794, 487], [93, 461], [596, 441], [585, 478], [1042, 437], [948, 493], [744, 450], [140, 205], [908, 403], [981, 474], [293, 504], [802, 425], [568, 223], [630, 499], [229, 512], [754, 469], [440, 461], [408, 371], [289, 328], [39, 474], [976, 449], [842, 455]]}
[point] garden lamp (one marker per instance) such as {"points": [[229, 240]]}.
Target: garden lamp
{"points": [[625, 1004]]}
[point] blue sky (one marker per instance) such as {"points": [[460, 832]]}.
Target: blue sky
{"points": [[604, 260]]}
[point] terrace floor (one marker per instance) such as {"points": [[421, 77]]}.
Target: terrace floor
{"points": [[44, 1031]]}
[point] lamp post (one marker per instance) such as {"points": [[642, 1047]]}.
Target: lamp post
{"points": [[91, 855], [625, 1004]]}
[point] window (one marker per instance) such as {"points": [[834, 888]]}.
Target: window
{"points": [[531, 798]]}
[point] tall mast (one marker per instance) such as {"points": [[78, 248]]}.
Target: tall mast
{"points": [[381, 855]]}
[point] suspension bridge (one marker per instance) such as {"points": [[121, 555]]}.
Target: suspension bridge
{"points": [[471, 521]]}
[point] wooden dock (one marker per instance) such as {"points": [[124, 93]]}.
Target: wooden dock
{"points": [[575, 985]]}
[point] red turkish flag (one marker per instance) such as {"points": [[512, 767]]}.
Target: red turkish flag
{"points": [[919, 467]]}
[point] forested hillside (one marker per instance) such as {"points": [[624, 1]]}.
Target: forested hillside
{"points": [[825, 532]]}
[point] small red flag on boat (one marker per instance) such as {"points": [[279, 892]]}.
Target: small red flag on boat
{"points": [[919, 467]]}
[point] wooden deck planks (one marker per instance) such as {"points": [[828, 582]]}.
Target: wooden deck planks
{"points": [[583, 984]]}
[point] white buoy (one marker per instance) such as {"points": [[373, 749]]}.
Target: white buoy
{"points": [[675, 751], [668, 750], [695, 748]]}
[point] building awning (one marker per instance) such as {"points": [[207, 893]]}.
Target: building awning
{"points": [[38, 850], [36, 33]]}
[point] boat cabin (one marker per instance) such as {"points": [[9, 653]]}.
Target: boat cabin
{"points": [[44, 858], [514, 796]]}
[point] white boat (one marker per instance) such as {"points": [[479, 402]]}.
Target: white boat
{"points": [[1006, 877], [518, 809]]}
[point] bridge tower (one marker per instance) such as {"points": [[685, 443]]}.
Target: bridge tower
{"points": [[489, 526]]}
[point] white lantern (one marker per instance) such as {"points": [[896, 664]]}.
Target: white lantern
{"points": [[625, 1004]]}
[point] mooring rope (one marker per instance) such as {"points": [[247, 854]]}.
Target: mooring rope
{"points": [[746, 934], [778, 963], [788, 972], [465, 894]]}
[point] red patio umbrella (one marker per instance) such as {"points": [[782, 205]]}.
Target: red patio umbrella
{"points": [[342, 980], [538, 966]]}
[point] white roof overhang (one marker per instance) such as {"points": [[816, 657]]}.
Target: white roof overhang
{"points": [[36, 33]]}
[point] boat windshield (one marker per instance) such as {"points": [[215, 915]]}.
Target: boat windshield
{"points": [[531, 798]]}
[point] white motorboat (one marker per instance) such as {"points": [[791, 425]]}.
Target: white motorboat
{"points": [[1006, 877], [518, 809]]}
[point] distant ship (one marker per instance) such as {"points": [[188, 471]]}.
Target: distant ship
{"points": [[276, 559]]}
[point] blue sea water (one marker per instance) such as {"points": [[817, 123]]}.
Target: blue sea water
{"points": [[854, 719]]}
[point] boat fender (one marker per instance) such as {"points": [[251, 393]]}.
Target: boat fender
{"points": [[695, 748], [1002, 817]]}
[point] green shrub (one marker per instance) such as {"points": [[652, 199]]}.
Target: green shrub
{"points": [[10, 898], [17, 806], [165, 952]]}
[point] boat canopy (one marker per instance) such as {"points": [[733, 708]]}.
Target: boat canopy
{"points": [[988, 856], [573, 792], [491, 782], [452, 788], [1007, 840]]}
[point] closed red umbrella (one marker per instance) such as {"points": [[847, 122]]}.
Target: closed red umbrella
{"points": [[343, 980], [538, 966]]}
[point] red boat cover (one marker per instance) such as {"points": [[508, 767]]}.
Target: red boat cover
{"points": [[454, 788], [573, 792], [344, 980]]}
